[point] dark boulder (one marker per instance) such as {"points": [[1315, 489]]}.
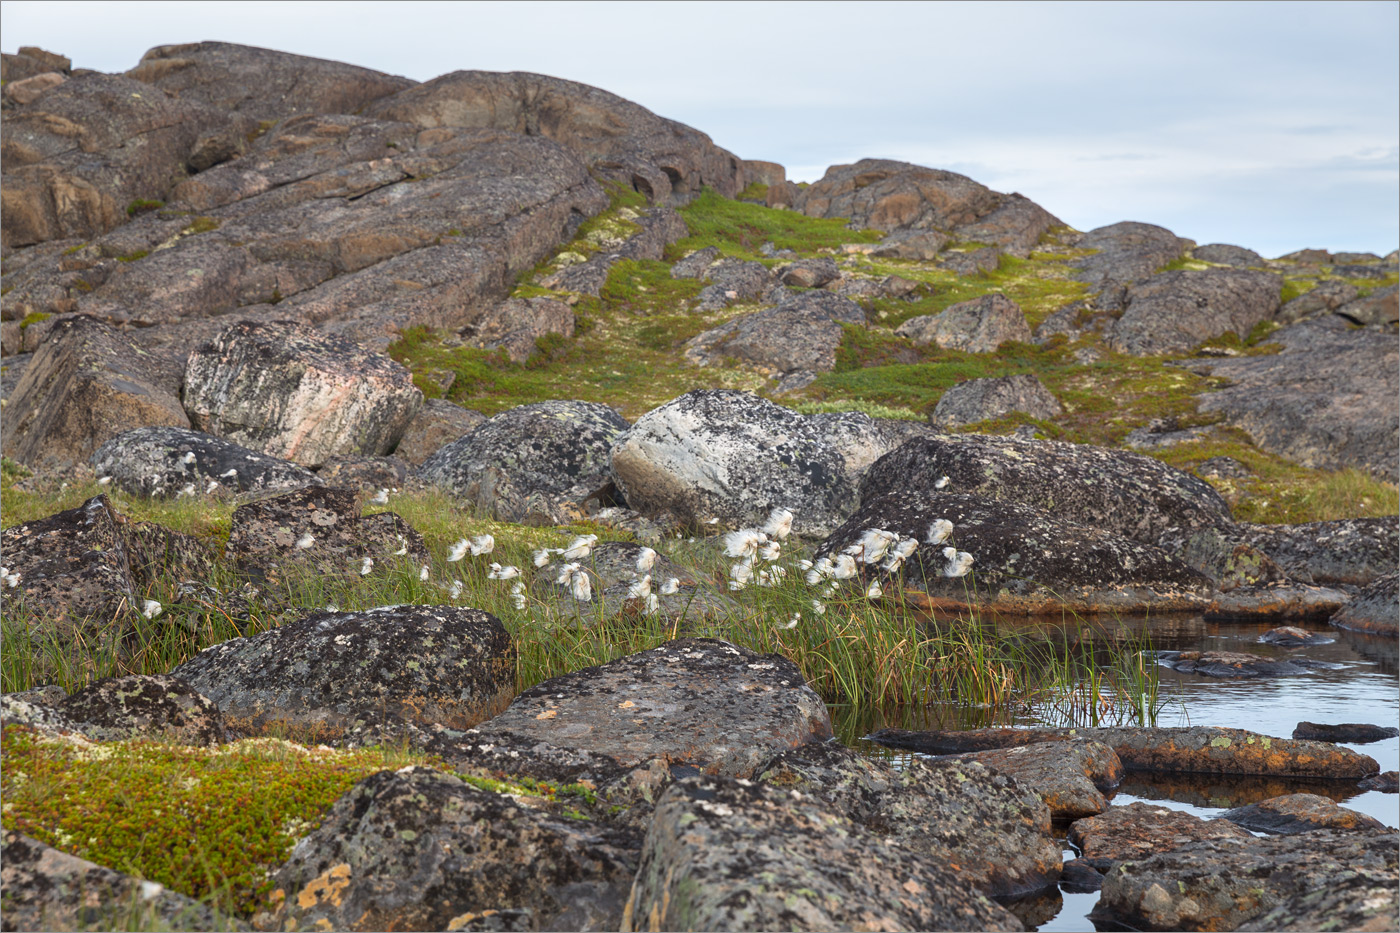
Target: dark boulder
{"points": [[1387, 782], [1124, 253], [437, 424], [1238, 664], [556, 451], [730, 855], [293, 393], [1329, 400], [920, 245], [991, 830], [156, 706], [733, 281], [1381, 308], [417, 849], [1356, 733], [1291, 637], [809, 273], [703, 702], [980, 325], [802, 333], [1299, 813], [1375, 610], [85, 385], [696, 264], [374, 476], [1177, 311], [1221, 885], [1111, 490], [980, 399], [1227, 255], [328, 673], [1353, 551], [1023, 560], [174, 462], [263, 84]]}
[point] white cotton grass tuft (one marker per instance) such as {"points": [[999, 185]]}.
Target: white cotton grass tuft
{"points": [[188, 490], [873, 591], [770, 551], [231, 474], [646, 558], [580, 547], [366, 566], [213, 485], [542, 556], [771, 576], [188, 458], [306, 540], [11, 579], [939, 531], [942, 483], [576, 579], [402, 551], [792, 623], [104, 480], [873, 544], [566, 573], [740, 575], [517, 594], [381, 497], [455, 590], [830, 591], [843, 567], [958, 564], [482, 544], [640, 589], [424, 573], [150, 608], [508, 572], [819, 607], [652, 605], [899, 554], [670, 586], [743, 543], [459, 550], [779, 524]]}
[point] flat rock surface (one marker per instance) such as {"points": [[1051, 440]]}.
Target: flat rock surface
{"points": [[1177, 311], [705, 702], [1112, 490], [166, 462], [1023, 560], [417, 849], [1138, 829], [990, 829], [323, 674], [1360, 900], [1299, 813], [1353, 551], [732, 855], [1220, 885], [1197, 749], [1069, 776]]}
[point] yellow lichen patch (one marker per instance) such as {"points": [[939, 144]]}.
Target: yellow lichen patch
{"points": [[327, 887]]}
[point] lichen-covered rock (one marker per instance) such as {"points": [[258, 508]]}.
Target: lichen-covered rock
{"points": [[1354, 732], [317, 530], [1176, 311], [991, 831], [1299, 813], [1381, 308], [801, 333], [696, 264], [170, 462], [1192, 749], [85, 384], [1238, 664], [555, 450], [1023, 560], [657, 228], [1123, 253], [1329, 400], [417, 849], [147, 706], [980, 325], [1226, 255], [1375, 610], [895, 196], [367, 474], [1387, 782], [1329, 295], [809, 273], [1221, 885], [1113, 490], [701, 701], [979, 399], [731, 281], [70, 573], [921, 245], [326, 672], [1361, 900], [732, 855], [437, 424], [1138, 829], [46, 889], [1353, 551], [517, 323], [1288, 636], [715, 453], [293, 393], [1069, 776]]}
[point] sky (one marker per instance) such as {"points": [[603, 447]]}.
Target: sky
{"points": [[1274, 126]]}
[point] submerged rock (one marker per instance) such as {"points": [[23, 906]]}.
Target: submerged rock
{"points": [[732, 855], [1288, 636], [1387, 782], [1299, 813], [1238, 664]]}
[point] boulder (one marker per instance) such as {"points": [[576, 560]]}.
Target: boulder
{"points": [[1112, 490], [1375, 610], [667, 161], [1221, 885], [972, 262], [87, 152], [1349, 551], [317, 531], [1024, 561], [31, 60], [1138, 830], [809, 273], [437, 423], [1329, 400], [656, 229], [1187, 749], [714, 453], [69, 573], [801, 334], [422, 664], [730, 855], [977, 326], [733, 281], [417, 849], [1124, 253], [990, 830], [168, 463], [1069, 776], [919, 245], [84, 386], [1329, 295], [1387, 782], [367, 474], [887, 195], [517, 323], [155, 706], [46, 889], [1363, 900], [1288, 636], [1299, 813], [293, 393], [695, 264], [1232, 664], [263, 84], [1380, 308], [702, 702], [1175, 312], [980, 399], [1226, 255], [556, 451]]}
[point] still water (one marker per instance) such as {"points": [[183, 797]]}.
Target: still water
{"points": [[1364, 688]]}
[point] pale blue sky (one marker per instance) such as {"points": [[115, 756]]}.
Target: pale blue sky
{"points": [[1275, 126]]}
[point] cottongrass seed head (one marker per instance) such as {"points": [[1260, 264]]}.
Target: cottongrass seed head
{"points": [[779, 524], [939, 531]]}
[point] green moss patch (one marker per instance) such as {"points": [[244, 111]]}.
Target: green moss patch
{"points": [[740, 229]]}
